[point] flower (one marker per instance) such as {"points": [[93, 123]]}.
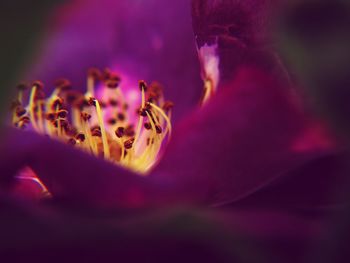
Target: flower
{"points": [[251, 148]]}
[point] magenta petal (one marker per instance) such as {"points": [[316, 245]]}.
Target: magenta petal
{"points": [[241, 29], [240, 141], [151, 40]]}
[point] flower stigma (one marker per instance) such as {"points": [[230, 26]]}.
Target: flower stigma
{"points": [[100, 121]]}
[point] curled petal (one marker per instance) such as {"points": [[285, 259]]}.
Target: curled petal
{"points": [[241, 30], [79, 177]]}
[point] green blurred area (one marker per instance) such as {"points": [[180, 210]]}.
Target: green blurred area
{"points": [[22, 23], [314, 38]]}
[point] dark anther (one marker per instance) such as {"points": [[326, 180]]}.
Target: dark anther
{"points": [[115, 77], [120, 116], [158, 129], [147, 126], [103, 104], [80, 137], [51, 116], [20, 111], [112, 121], [62, 114], [22, 86], [95, 73], [143, 85], [168, 105], [38, 84], [85, 116], [25, 119], [63, 84], [113, 102], [92, 102], [57, 104], [126, 106], [96, 131], [129, 131], [72, 141], [112, 84], [120, 132], [63, 123], [128, 144], [143, 112]]}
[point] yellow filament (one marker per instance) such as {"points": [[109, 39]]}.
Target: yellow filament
{"points": [[31, 108], [139, 124], [103, 130], [89, 138], [140, 157], [208, 90], [40, 117], [76, 118], [153, 146], [166, 118]]}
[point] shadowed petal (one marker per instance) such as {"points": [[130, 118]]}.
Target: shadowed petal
{"points": [[242, 140], [318, 185], [61, 233], [151, 40]]}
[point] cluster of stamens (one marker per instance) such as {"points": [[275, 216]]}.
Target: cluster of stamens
{"points": [[106, 125]]}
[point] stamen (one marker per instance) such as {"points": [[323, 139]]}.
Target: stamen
{"points": [[102, 126], [208, 90], [103, 130], [166, 118], [142, 85], [31, 107]]}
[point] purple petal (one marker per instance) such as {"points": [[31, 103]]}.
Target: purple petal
{"points": [[243, 139], [76, 176], [317, 184], [151, 40]]}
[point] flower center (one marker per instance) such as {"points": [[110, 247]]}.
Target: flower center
{"points": [[102, 121]]}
